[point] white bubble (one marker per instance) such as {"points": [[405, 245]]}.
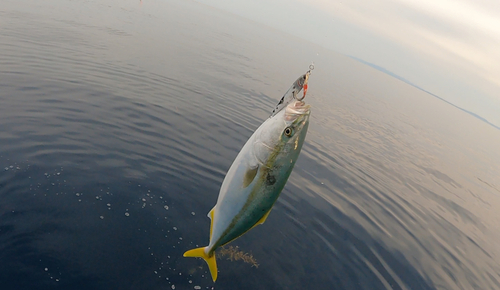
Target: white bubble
{"points": [[175, 228], [192, 213], [46, 269], [166, 207], [101, 217], [197, 287], [127, 214], [173, 286]]}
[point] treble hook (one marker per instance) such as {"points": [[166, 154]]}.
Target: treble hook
{"points": [[306, 79]]}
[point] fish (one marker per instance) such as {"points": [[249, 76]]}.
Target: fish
{"points": [[257, 176]]}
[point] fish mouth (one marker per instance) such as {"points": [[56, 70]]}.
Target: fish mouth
{"points": [[297, 108]]}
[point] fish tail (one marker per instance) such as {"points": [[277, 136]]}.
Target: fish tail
{"points": [[210, 259]]}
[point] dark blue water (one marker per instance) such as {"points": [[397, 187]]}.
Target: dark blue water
{"points": [[119, 119]]}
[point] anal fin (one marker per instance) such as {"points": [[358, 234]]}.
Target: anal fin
{"points": [[211, 216]]}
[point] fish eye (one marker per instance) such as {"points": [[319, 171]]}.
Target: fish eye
{"points": [[288, 132]]}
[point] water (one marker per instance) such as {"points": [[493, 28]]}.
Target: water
{"points": [[119, 119]]}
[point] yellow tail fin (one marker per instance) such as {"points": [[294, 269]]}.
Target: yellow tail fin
{"points": [[200, 253]]}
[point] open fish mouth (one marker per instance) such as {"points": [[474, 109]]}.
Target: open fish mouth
{"points": [[297, 108]]}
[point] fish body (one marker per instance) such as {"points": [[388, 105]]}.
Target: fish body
{"points": [[255, 179]]}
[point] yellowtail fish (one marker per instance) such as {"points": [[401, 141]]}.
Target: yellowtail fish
{"points": [[258, 174]]}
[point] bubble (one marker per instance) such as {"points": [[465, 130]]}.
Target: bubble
{"points": [[192, 213], [197, 287], [127, 214], [101, 217], [166, 207]]}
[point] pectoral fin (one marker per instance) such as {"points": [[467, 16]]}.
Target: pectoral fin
{"points": [[250, 176]]}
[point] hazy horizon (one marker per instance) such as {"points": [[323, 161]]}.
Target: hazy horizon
{"points": [[445, 47]]}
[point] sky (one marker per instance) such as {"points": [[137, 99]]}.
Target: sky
{"points": [[448, 47]]}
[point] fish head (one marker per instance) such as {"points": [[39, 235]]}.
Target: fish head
{"points": [[296, 120], [283, 134]]}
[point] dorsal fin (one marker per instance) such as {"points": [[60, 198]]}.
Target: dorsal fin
{"points": [[262, 219]]}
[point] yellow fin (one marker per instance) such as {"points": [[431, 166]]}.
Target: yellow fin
{"points": [[262, 220], [249, 176], [211, 216], [200, 253]]}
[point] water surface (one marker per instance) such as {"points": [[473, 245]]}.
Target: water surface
{"points": [[118, 121]]}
